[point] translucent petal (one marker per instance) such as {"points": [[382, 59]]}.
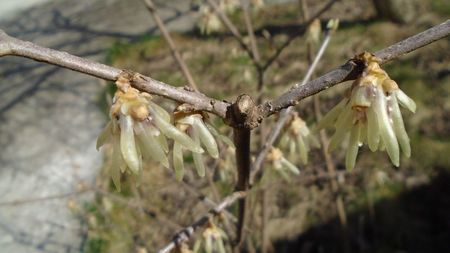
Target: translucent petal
{"points": [[331, 116], [178, 164], [163, 142], [405, 101], [208, 244], [104, 135], [291, 167], [284, 140], [360, 96], [174, 133], [219, 136], [292, 150], [399, 128], [128, 144], [198, 159], [150, 146], [352, 151], [302, 150], [284, 175], [220, 245], [373, 130], [119, 158], [206, 137], [117, 163], [386, 132], [197, 245], [161, 111], [345, 117], [343, 126]]}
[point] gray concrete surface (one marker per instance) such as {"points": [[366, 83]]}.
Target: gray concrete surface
{"points": [[49, 117]]}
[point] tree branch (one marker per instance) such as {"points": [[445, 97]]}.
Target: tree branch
{"points": [[352, 69], [348, 71], [13, 46], [187, 232]]}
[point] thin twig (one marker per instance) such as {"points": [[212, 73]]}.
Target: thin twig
{"points": [[348, 71], [250, 31], [13, 46], [301, 30], [352, 69], [285, 115], [151, 7], [233, 29], [187, 232]]}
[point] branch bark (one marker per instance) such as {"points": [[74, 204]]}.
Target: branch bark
{"points": [[17, 47], [348, 71], [352, 69]]}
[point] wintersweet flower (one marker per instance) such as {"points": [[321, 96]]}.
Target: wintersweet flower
{"points": [[280, 164], [298, 139], [193, 124], [212, 240], [371, 115], [138, 130], [208, 20]]}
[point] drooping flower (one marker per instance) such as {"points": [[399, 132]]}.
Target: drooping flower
{"points": [[208, 20], [371, 115], [193, 124], [280, 164], [297, 138], [138, 130], [212, 240]]}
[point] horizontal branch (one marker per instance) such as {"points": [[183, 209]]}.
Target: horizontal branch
{"points": [[14, 46], [187, 232], [348, 71], [351, 70]]}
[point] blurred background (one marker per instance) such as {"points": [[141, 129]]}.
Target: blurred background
{"points": [[55, 191]]}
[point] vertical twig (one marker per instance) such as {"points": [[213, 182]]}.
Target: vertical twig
{"points": [[242, 109], [181, 63], [285, 115], [265, 218], [250, 31], [233, 29], [340, 207]]}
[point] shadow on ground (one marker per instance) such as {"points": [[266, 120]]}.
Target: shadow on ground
{"points": [[416, 221]]}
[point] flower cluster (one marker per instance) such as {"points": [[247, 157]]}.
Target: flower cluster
{"points": [[371, 115], [298, 139], [193, 124], [138, 130]]}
